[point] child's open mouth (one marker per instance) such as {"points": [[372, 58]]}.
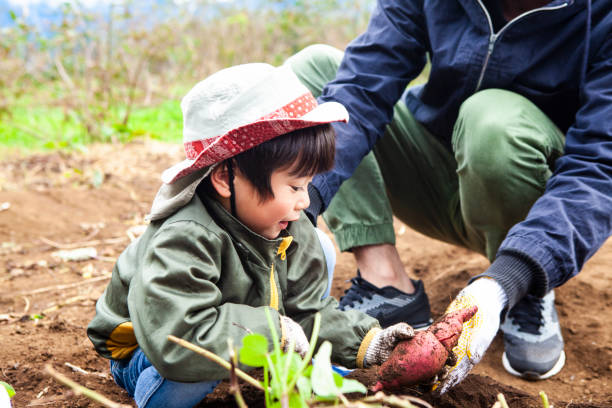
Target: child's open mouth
{"points": [[283, 224]]}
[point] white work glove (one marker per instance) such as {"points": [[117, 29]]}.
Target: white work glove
{"points": [[5, 400], [291, 332], [478, 332], [385, 341]]}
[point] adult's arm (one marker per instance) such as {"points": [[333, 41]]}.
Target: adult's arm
{"points": [[573, 218], [376, 68]]}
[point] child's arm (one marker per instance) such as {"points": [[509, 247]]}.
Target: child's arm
{"points": [[176, 292], [349, 331]]}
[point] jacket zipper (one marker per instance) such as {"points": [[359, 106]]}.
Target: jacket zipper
{"points": [[493, 36], [282, 254]]}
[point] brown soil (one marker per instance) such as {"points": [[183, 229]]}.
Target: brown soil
{"points": [[54, 201]]}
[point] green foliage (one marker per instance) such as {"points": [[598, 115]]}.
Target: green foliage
{"points": [[113, 77], [288, 377], [326, 383], [254, 350], [9, 389], [40, 128]]}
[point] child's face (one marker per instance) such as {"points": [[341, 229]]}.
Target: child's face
{"points": [[270, 217]]}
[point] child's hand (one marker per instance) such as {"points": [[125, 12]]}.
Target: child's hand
{"points": [[385, 341], [293, 333]]}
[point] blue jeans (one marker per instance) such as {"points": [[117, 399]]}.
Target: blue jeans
{"points": [[149, 389]]}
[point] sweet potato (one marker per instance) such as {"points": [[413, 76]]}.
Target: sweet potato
{"points": [[422, 357]]}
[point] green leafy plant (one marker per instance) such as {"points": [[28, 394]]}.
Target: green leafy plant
{"points": [[501, 401], [9, 390], [290, 380]]}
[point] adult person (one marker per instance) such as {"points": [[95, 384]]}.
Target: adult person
{"points": [[506, 150]]}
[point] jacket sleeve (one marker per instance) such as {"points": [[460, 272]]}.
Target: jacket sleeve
{"points": [[176, 293], [376, 68], [306, 282], [573, 218]]}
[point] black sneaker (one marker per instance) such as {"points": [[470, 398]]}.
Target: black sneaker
{"points": [[389, 305], [532, 339]]}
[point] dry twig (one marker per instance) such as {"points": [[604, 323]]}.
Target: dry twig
{"points": [[74, 245], [79, 370], [80, 390], [64, 303], [60, 287], [234, 388], [27, 305], [405, 401], [215, 358]]}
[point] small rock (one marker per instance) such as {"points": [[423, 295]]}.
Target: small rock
{"points": [[79, 254], [16, 272]]}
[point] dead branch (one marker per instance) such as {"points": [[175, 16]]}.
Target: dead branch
{"points": [[234, 388], [79, 370], [76, 368], [74, 245], [60, 287], [27, 305], [62, 72], [215, 358], [80, 390], [64, 303], [404, 401], [132, 86]]}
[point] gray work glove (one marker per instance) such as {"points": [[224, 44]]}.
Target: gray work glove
{"points": [[291, 332], [385, 341]]}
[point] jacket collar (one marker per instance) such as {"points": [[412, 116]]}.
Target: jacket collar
{"points": [[247, 241], [551, 14]]}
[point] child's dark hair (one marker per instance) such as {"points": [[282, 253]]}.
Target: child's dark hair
{"points": [[305, 152]]}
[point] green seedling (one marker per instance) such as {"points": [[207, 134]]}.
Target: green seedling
{"points": [[290, 380], [544, 398], [501, 401], [9, 390]]}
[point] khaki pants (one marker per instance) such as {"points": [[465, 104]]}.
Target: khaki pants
{"points": [[503, 150]]}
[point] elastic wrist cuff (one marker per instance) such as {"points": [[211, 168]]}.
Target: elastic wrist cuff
{"points": [[517, 275], [316, 204], [365, 343]]}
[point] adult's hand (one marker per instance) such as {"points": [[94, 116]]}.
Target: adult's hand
{"points": [[478, 332]]}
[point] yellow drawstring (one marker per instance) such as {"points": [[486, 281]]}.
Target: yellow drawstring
{"points": [[282, 252], [282, 248]]}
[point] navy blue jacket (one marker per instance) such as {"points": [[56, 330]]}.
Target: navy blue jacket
{"points": [[558, 56]]}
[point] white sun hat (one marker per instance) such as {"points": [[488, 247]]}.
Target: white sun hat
{"points": [[242, 106], [232, 111]]}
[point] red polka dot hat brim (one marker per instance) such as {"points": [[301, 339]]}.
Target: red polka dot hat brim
{"points": [[204, 153]]}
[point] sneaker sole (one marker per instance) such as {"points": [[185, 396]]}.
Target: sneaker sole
{"points": [[531, 375], [423, 326]]}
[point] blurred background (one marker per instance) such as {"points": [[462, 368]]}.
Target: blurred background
{"points": [[77, 72]]}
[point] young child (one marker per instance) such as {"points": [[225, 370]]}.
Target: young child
{"points": [[228, 240]]}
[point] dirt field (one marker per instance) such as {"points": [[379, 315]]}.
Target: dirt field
{"points": [[94, 199]]}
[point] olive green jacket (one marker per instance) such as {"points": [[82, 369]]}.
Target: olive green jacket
{"points": [[203, 276]]}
